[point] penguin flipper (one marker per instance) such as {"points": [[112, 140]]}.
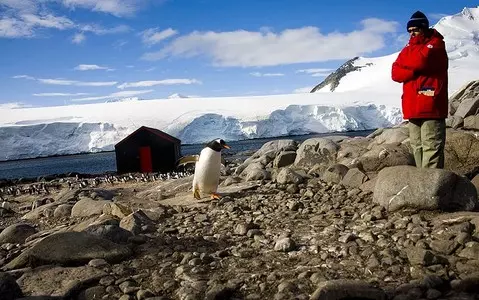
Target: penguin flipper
{"points": [[188, 159]]}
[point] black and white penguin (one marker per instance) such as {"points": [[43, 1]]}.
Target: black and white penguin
{"points": [[207, 168]]}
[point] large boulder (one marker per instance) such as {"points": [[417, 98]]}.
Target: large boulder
{"points": [[287, 175], [424, 189], [351, 149], [395, 135], [386, 155], [16, 233], [466, 92], [461, 151], [87, 207], [314, 151], [347, 289], [267, 153], [472, 122], [59, 281], [69, 248], [335, 173], [354, 178]]}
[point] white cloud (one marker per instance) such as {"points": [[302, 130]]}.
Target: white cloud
{"points": [[23, 77], [122, 94], [319, 72], [76, 83], [23, 18], [313, 71], [258, 74], [117, 8], [78, 38], [91, 68], [153, 36], [148, 83], [26, 6], [303, 90], [67, 82], [48, 21], [13, 105], [13, 28], [59, 94], [264, 48], [99, 30]]}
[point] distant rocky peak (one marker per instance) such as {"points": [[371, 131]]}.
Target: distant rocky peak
{"points": [[466, 12], [334, 78]]}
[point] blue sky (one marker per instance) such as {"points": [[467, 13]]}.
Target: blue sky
{"points": [[61, 52]]}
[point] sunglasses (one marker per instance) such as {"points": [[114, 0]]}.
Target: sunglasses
{"points": [[411, 30]]}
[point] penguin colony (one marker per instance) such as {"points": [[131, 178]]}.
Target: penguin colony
{"points": [[205, 181]]}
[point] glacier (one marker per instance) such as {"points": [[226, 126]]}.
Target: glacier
{"points": [[25, 140]]}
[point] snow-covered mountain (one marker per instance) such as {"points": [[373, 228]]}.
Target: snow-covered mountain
{"points": [[364, 98], [177, 96], [123, 99], [461, 34]]}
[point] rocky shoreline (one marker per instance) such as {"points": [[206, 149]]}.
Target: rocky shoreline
{"points": [[328, 218]]}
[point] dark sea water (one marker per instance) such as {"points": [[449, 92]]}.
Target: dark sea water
{"points": [[99, 163]]}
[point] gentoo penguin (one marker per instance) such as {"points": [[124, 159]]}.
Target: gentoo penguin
{"points": [[207, 169]]}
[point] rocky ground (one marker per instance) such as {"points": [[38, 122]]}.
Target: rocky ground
{"points": [[320, 220]]}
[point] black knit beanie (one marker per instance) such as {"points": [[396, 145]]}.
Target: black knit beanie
{"points": [[419, 20]]}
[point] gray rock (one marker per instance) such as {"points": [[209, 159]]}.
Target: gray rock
{"points": [[471, 251], [429, 189], [16, 233], [70, 248], [59, 281], [468, 91], [467, 107], [316, 151], [469, 284], [347, 289], [267, 153], [454, 122], [255, 171], [287, 175], [354, 178], [88, 207], [335, 173], [41, 211], [472, 122], [92, 293], [386, 155], [135, 221], [63, 210], [218, 292], [113, 233], [284, 158], [419, 256], [9, 289], [116, 209], [461, 151], [395, 135], [284, 244]]}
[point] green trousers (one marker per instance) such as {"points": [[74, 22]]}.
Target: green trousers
{"points": [[428, 138]]}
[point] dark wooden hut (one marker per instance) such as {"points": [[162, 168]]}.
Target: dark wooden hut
{"points": [[147, 150]]}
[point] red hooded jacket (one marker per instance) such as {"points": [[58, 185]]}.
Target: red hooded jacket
{"points": [[422, 68]]}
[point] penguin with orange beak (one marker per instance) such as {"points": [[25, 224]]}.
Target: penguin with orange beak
{"points": [[207, 169]]}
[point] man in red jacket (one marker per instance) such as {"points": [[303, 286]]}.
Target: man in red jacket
{"points": [[422, 68]]}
